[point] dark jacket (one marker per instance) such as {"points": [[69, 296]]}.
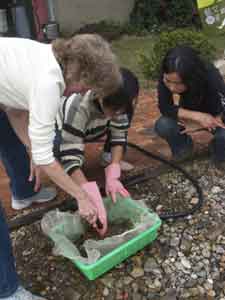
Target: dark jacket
{"points": [[211, 101]]}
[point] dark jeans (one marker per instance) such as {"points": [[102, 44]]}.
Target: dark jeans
{"points": [[17, 164], [16, 160], [170, 130], [8, 275]]}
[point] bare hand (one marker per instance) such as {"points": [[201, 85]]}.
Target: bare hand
{"points": [[87, 210], [209, 122], [35, 173]]}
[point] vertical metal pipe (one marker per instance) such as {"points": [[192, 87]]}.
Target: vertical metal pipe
{"points": [[3, 22], [51, 30], [51, 12], [21, 22], [40, 12]]}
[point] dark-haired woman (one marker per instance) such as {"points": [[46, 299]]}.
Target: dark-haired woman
{"points": [[201, 91]]}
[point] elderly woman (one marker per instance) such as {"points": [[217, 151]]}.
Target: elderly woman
{"points": [[33, 78]]}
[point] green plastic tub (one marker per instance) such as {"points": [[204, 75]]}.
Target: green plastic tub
{"points": [[119, 254]]}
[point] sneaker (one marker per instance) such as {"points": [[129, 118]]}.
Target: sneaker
{"points": [[44, 195], [22, 294], [184, 154], [217, 159], [106, 158], [218, 164]]}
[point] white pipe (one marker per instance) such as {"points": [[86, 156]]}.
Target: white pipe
{"points": [[3, 21], [51, 12]]}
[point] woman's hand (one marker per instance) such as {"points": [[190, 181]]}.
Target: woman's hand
{"points": [[35, 174], [87, 210], [209, 122], [93, 191]]}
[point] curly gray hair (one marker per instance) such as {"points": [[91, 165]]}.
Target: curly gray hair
{"points": [[88, 58]]}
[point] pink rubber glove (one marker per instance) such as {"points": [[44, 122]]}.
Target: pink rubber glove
{"points": [[113, 185], [92, 190]]}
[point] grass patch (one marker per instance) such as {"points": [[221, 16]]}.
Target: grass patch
{"points": [[127, 49], [218, 42]]}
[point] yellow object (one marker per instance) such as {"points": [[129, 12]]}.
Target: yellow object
{"points": [[205, 3]]}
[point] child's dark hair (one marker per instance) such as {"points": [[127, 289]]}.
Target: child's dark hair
{"points": [[123, 98], [186, 62]]}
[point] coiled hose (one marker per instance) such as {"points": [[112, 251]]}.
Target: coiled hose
{"points": [[70, 204], [142, 177]]}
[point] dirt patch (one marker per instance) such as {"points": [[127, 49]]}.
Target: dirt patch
{"points": [[198, 241], [113, 229]]}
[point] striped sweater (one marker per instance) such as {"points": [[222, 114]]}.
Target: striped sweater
{"points": [[80, 121]]}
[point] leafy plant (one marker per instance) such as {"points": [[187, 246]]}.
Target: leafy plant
{"points": [[151, 14]]}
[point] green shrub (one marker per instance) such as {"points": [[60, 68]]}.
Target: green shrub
{"points": [[152, 14], [150, 61], [145, 15], [109, 30]]}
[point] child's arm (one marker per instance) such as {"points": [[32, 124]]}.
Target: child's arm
{"points": [[117, 153], [119, 128]]}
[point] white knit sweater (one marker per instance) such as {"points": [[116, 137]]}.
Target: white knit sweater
{"points": [[31, 79]]}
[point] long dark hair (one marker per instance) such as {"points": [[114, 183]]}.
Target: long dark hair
{"points": [[124, 96], [186, 62]]}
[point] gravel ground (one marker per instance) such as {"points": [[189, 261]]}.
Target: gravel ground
{"points": [[187, 261]]}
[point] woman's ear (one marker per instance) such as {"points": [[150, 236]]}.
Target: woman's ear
{"points": [[68, 45], [84, 76], [100, 101], [135, 102]]}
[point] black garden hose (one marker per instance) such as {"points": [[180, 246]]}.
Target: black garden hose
{"points": [[70, 203], [14, 224], [142, 177]]}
